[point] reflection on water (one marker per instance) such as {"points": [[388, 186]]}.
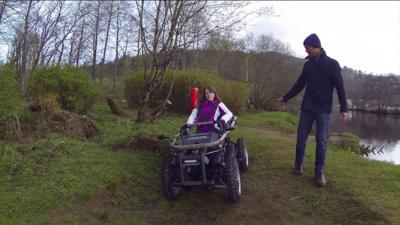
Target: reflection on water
{"points": [[373, 130]]}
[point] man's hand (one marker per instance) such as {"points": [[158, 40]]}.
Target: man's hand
{"points": [[344, 116], [280, 100]]}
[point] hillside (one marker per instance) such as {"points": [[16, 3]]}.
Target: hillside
{"points": [[66, 180], [269, 74]]}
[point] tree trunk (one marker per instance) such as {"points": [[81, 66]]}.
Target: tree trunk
{"points": [[71, 49], [114, 108], [105, 43], [3, 5], [95, 37], [61, 53], [116, 60], [79, 49], [22, 73]]}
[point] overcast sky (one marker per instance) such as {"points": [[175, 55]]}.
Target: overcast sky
{"points": [[361, 35]]}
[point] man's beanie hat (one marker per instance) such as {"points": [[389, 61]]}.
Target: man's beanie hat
{"points": [[312, 41]]}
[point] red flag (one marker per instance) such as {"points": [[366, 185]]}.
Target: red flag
{"points": [[194, 100]]}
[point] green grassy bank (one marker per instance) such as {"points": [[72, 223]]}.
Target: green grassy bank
{"points": [[66, 180]]}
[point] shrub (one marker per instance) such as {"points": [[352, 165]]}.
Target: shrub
{"points": [[10, 98], [233, 94], [133, 86], [346, 141], [11, 103], [67, 87]]}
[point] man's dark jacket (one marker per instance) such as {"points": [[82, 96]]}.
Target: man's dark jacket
{"points": [[319, 76]]}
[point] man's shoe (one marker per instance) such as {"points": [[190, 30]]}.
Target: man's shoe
{"points": [[320, 180], [298, 171]]}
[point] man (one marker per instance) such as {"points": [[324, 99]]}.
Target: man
{"points": [[320, 75]]}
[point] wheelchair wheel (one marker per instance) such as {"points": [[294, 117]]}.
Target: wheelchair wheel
{"points": [[232, 175], [169, 174], [242, 154]]}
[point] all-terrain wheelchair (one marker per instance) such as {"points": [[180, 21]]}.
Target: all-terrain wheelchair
{"points": [[205, 159]]}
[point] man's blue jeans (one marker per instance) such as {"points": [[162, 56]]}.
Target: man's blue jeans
{"points": [[321, 137]]}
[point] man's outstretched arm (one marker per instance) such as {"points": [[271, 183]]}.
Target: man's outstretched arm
{"points": [[296, 89]]}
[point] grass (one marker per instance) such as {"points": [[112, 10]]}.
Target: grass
{"points": [[65, 180], [282, 121], [56, 169]]}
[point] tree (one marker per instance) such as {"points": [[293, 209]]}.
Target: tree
{"points": [[165, 28], [10, 14], [72, 17], [47, 27], [3, 6], [160, 24], [110, 12], [270, 71], [23, 50], [95, 36], [123, 26], [40, 36], [81, 41]]}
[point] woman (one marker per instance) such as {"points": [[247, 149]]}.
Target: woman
{"points": [[211, 108]]}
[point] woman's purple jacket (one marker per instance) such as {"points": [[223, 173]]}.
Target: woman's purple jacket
{"points": [[209, 111]]}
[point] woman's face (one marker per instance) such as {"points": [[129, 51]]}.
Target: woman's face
{"points": [[210, 95]]}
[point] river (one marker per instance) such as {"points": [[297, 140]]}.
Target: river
{"points": [[373, 129]]}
